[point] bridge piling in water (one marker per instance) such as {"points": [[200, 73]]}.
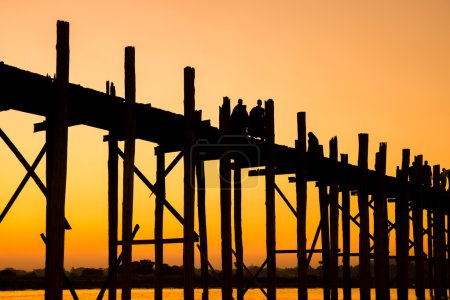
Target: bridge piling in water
{"points": [[113, 203], [301, 196], [56, 169]]}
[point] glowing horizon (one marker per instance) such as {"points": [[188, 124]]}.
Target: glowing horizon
{"points": [[380, 68]]}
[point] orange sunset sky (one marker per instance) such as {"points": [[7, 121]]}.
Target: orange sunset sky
{"points": [[379, 67]]}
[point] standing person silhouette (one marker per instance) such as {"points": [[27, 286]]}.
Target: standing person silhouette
{"points": [[443, 178], [426, 174], [313, 144], [239, 119], [256, 121], [448, 176], [313, 153]]}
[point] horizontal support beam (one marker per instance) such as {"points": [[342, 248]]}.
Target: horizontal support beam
{"points": [[42, 126], [262, 172], [372, 256], [164, 241], [289, 251]]}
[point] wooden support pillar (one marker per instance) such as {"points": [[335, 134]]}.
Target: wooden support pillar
{"points": [[334, 221], [159, 213], [402, 225], [381, 236], [417, 215], [270, 201], [447, 230], [189, 188], [202, 228], [346, 274], [301, 195], [325, 231], [439, 237], [363, 206], [56, 169], [430, 255], [238, 231], [225, 206], [66, 279], [128, 171], [113, 204], [432, 284]]}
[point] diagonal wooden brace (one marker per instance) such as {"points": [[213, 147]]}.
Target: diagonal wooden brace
{"points": [[22, 184], [27, 167], [116, 267], [250, 273], [152, 188], [285, 199]]}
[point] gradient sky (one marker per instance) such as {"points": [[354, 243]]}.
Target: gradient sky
{"points": [[379, 67]]}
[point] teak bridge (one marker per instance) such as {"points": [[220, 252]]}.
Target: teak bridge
{"points": [[64, 104]]}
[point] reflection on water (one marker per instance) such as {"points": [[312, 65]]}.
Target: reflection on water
{"points": [[177, 294]]}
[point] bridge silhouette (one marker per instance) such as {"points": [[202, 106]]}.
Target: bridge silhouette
{"points": [[65, 104]]}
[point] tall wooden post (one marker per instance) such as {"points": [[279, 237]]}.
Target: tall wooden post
{"points": [[201, 197], [417, 215], [301, 195], [128, 172], [325, 231], [346, 275], [56, 136], [430, 254], [381, 264], [334, 221], [270, 201], [447, 230], [432, 284], [159, 213], [113, 204], [439, 237], [402, 223], [189, 189], [363, 206], [238, 231], [225, 205]]}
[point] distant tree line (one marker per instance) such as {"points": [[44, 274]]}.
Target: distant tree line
{"points": [[143, 276]]}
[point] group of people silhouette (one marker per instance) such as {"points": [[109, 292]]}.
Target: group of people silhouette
{"points": [[427, 176], [445, 174], [251, 124]]}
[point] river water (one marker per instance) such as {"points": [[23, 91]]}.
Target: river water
{"points": [[177, 294]]}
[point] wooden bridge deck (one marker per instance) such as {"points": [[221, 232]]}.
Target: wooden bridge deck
{"points": [[30, 93]]}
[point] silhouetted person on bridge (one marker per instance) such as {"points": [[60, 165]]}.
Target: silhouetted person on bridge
{"points": [[256, 121], [313, 153], [448, 176], [239, 119], [443, 179], [426, 174], [313, 144]]}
